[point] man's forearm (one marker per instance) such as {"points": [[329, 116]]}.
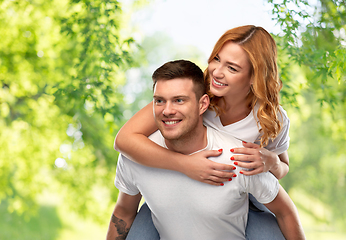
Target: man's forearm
{"points": [[118, 228], [291, 227], [287, 216]]}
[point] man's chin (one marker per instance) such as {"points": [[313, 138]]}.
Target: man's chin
{"points": [[170, 136]]}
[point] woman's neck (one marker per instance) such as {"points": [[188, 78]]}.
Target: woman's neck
{"points": [[235, 110]]}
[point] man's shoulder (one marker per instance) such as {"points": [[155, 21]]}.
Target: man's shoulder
{"points": [[264, 186], [219, 137]]}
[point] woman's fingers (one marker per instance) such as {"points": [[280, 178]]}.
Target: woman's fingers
{"points": [[220, 177], [251, 157], [249, 165], [218, 173], [250, 145], [252, 172], [256, 159], [200, 168], [210, 153], [247, 151]]}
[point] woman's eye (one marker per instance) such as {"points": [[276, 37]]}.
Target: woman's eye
{"points": [[216, 58], [232, 69]]}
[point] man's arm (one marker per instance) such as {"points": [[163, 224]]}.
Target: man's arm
{"points": [[287, 216], [123, 215]]}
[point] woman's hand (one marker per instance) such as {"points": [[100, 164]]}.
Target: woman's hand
{"points": [[198, 167], [255, 158]]}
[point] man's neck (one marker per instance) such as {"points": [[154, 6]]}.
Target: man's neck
{"points": [[190, 144]]}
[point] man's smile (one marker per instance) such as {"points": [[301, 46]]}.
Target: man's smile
{"points": [[171, 122]]}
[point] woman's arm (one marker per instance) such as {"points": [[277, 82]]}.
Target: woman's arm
{"points": [[261, 160], [132, 141]]}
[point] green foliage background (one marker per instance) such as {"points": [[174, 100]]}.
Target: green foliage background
{"points": [[67, 74], [62, 63], [313, 70]]}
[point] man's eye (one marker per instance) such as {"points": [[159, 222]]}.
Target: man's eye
{"points": [[158, 101], [179, 100]]}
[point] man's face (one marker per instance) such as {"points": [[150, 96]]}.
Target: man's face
{"points": [[176, 109]]}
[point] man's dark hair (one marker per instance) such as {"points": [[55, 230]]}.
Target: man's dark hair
{"points": [[182, 69]]}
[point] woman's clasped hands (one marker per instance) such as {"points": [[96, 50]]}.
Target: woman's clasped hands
{"points": [[251, 157], [197, 166], [254, 158]]}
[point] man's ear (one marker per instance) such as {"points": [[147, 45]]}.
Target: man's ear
{"points": [[204, 102]]}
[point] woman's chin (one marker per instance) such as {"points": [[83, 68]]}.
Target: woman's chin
{"points": [[215, 92]]}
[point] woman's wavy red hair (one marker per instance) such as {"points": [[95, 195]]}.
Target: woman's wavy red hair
{"points": [[261, 49]]}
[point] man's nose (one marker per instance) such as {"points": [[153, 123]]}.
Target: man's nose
{"points": [[168, 109]]}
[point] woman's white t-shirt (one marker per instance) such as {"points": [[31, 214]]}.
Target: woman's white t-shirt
{"points": [[247, 129]]}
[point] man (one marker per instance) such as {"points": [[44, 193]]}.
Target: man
{"points": [[183, 208]]}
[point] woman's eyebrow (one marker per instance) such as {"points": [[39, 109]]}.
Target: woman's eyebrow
{"points": [[234, 64], [230, 63]]}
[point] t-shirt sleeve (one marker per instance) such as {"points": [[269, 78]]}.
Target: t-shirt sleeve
{"points": [[264, 187], [281, 143], [124, 178]]}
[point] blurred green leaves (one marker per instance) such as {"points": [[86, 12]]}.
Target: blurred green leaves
{"points": [[313, 36], [312, 49], [61, 65]]}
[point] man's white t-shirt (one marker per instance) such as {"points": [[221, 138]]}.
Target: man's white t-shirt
{"points": [[247, 129], [183, 208]]}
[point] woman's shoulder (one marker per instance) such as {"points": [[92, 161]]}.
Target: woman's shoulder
{"points": [[283, 115]]}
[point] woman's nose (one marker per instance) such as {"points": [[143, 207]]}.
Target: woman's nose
{"points": [[218, 72]]}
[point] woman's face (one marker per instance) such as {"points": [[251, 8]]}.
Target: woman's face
{"points": [[230, 72]]}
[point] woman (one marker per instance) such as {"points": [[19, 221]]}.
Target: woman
{"points": [[243, 82]]}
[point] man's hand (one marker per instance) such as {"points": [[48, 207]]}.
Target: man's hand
{"points": [[198, 167]]}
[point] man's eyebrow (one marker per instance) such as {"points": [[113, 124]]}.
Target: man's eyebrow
{"points": [[178, 96], [181, 96]]}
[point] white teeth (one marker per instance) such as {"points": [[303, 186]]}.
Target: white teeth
{"points": [[171, 122], [218, 83]]}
